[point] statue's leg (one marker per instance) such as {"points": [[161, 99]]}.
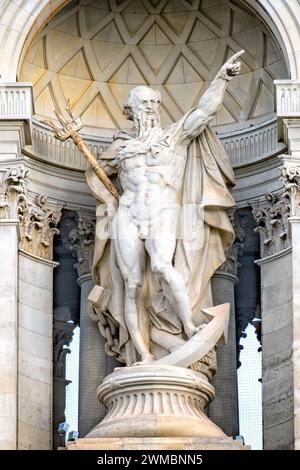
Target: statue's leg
{"points": [[160, 247], [131, 255]]}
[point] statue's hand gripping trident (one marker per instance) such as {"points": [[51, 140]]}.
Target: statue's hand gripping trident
{"points": [[70, 130]]}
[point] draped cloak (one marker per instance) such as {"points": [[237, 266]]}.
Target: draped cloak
{"points": [[204, 198]]}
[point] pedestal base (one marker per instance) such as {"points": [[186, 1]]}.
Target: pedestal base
{"points": [[155, 443], [154, 400]]}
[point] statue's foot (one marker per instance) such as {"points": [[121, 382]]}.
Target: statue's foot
{"points": [[191, 329], [146, 359]]}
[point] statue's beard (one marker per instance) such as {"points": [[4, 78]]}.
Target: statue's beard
{"points": [[145, 121]]}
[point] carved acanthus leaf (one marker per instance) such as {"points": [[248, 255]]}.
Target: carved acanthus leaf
{"points": [[272, 224], [37, 222], [13, 189], [38, 226], [290, 176]]}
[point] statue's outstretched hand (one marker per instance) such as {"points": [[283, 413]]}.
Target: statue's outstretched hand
{"points": [[231, 68]]}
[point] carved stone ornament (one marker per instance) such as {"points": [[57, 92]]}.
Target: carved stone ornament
{"points": [[290, 176], [13, 190], [38, 227], [272, 224], [37, 221], [82, 240]]}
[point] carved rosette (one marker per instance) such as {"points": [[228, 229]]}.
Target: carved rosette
{"points": [[82, 242], [272, 224], [290, 176], [37, 222]]}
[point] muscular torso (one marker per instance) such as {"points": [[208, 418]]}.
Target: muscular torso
{"points": [[151, 170]]}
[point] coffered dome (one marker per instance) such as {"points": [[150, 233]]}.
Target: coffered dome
{"points": [[94, 52]]}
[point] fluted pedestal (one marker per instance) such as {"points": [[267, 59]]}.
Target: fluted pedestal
{"points": [[155, 407], [155, 401]]}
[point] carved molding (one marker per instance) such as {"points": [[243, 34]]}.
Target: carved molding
{"points": [[82, 241], [37, 222], [272, 224]]}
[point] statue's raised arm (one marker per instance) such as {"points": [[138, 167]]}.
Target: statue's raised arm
{"points": [[211, 101]]}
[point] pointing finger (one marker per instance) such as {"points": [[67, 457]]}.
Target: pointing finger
{"points": [[236, 56]]}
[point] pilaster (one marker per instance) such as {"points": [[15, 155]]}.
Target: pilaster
{"points": [[271, 216], [27, 226], [291, 180]]}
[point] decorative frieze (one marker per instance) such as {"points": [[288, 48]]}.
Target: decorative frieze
{"points": [[82, 239], [37, 221], [272, 224]]}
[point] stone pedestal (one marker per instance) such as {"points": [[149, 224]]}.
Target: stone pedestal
{"points": [[155, 400], [157, 443]]}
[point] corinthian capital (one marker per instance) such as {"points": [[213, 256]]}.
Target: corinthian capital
{"points": [[272, 224], [290, 176], [38, 225], [82, 241], [13, 190], [37, 221]]}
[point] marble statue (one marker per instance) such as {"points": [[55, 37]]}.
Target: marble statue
{"points": [[161, 232], [153, 275]]}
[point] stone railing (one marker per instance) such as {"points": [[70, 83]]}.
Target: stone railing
{"points": [[243, 146], [16, 101], [251, 144], [66, 154], [288, 98]]}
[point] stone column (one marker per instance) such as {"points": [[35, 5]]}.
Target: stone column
{"points": [[10, 194], [15, 114], [291, 181], [224, 409], [26, 312], [38, 221], [271, 218], [94, 363]]}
